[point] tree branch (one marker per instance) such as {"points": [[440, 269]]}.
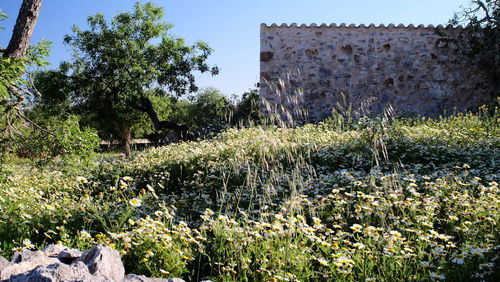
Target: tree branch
{"points": [[32, 86], [146, 106], [485, 10], [21, 115]]}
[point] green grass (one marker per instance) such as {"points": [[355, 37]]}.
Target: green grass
{"points": [[376, 199]]}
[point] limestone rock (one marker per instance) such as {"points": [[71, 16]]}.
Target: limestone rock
{"points": [[58, 272], [4, 263], [105, 262], [67, 256], [16, 257], [64, 254], [25, 266], [175, 280], [26, 255], [59, 263], [53, 250], [142, 278]]}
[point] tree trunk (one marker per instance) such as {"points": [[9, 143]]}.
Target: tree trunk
{"points": [[147, 107], [25, 24], [126, 136]]}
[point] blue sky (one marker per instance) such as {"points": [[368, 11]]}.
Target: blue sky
{"points": [[230, 27]]}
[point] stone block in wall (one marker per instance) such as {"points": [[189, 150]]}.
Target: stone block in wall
{"points": [[266, 56], [438, 74]]}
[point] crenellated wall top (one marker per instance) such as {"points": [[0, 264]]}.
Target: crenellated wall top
{"points": [[354, 26]]}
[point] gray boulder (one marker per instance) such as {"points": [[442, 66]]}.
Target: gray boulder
{"points": [[104, 262], [62, 253], [175, 280], [58, 272], [67, 256], [4, 263], [142, 278], [53, 250], [25, 266], [26, 255]]}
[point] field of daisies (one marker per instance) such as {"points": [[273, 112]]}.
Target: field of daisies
{"points": [[367, 200]]}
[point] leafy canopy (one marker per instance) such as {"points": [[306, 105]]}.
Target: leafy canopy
{"points": [[117, 62]]}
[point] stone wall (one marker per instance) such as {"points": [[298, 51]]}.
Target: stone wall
{"points": [[411, 68]]}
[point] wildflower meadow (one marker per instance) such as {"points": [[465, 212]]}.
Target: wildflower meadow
{"points": [[370, 199]]}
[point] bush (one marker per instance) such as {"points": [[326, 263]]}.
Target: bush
{"points": [[248, 108], [58, 138]]}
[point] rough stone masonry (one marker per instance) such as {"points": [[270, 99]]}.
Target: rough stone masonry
{"points": [[413, 69]]}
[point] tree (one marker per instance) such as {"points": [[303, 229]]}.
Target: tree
{"points": [[53, 99], [117, 64], [19, 133], [479, 41], [248, 108], [210, 112], [13, 62]]}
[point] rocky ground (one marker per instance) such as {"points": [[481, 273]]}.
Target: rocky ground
{"points": [[59, 263]]}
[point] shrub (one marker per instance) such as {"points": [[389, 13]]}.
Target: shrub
{"points": [[58, 138]]}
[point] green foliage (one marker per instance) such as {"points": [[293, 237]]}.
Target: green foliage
{"points": [[12, 69], [55, 134], [248, 108], [3, 16], [181, 112], [54, 99], [209, 112], [36, 54], [132, 56], [58, 138], [479, 41], [163, 105]]}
